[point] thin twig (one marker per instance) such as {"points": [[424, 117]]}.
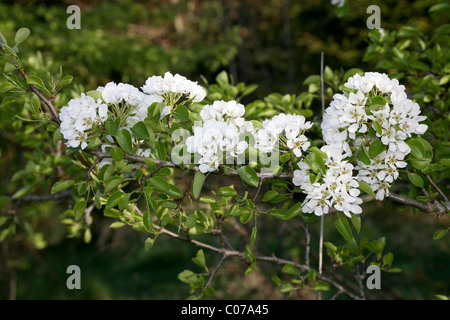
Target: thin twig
{"points": [[213, 273], [437, 188], [230, 253]]}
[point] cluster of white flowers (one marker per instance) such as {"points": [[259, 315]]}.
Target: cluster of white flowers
{"points": [[338, 188], [78, 117], [373, 107], [137, 101], [289, 128], [174, 84], [223, 131]]}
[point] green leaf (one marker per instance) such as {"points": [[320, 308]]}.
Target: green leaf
{"points": [[148, 244], [356, 222], [415, 179], [140, 130], [315, 160], [113, 200], [197, 184], [376, 147], [94, 94], [123, 138], [66, 81], [26, 189], [79, 209], [290, 269], [124, 200], [253, 235], [378, 100], [175, 192], [116, 154], [440, 7], [377, 126], [294, 211], [222, 78], [344, 229], [365, 187], [61, 186], [112, 127], [187, 276], [321, 286], [113, 182], [116, 225], [270, 195], [35, 80], [199, 260], [248, 175], [207, 200], [160, 184], [364, 156], [21, 35], [288, 287], [227, 192], [440, 234], [181, 113], [147, 220], [312, 275], [191, 221], [387, 259], [246, 216]]}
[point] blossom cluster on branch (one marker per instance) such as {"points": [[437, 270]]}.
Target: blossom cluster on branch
{"points": [[364, 129]]}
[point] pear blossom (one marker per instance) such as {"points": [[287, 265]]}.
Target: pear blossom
{"points": [[79, 117]]}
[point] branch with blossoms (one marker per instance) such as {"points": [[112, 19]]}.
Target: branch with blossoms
{"points": [[132, 139]]}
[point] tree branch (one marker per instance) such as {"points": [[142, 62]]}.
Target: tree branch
{"points": [[427, 207], [230, 253]]}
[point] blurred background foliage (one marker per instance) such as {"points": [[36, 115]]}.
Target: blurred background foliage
{"points": [[275, 44]]}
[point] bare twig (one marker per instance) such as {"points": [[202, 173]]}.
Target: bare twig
{"points": [[437, 188], [213, 273], [230, 253], [50, 197]]}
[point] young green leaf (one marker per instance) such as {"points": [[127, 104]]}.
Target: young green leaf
{"points": [[117, 154], [148, 244], [415, 179], [123, 138], [227, 192], [199, 260], [253, 235], [21, 35], [181, 113], [364, 156], [365, 187], [248, 175], [344, 229], [376, 147], [290, 269], [140, 130], [79, 208], [197, 183], [35, 80], [61, 186]]}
